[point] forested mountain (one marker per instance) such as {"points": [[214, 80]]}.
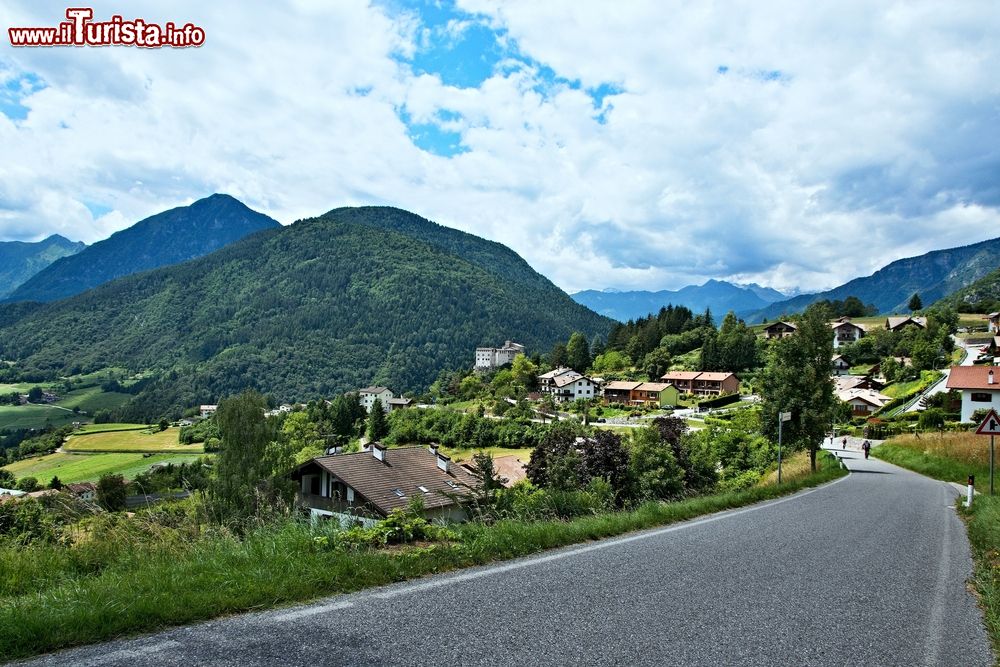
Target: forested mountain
{"points": [[716, 295], [20, 260], [933, 276], [982, 296], [166, 238], [354, 297]]}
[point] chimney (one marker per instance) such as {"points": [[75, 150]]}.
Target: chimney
{"points": [[443, 461], [378, 451], [989, 377]]}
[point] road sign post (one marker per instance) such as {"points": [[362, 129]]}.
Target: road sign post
{"points": [[990, 427], [782, 418]]}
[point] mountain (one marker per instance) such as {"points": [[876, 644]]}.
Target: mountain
{"points": [[981, 296], [933, 275], [19, 260], [718, 295], [166, 238], [354, 297]]}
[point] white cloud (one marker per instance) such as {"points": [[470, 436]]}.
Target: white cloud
{"points": [[791, 145]]}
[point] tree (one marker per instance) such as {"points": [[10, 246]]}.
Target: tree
{"points": [[557, 357], [525, 372], [7, 479], [654, 470], [378, 426], [112, 492], [56, 483], [27, 484], [35, 394], [915, 303], [797, 380], [244, 468], [578, 352], [300, 437]]}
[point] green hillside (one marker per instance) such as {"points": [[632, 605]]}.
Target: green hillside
{"points": [[981, 296], [326, 305]]}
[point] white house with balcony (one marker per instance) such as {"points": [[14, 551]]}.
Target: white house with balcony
{"points": [[980, 387], [846, 332]]}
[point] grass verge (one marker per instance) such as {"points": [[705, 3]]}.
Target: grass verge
{"points": [[53, 597]]}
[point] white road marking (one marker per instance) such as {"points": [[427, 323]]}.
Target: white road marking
{"points": [[604, 544], [312, 611], [128, 653]]}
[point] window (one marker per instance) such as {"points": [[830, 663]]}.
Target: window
{"points": [[981, 397], [424, 489], [399, 492]]}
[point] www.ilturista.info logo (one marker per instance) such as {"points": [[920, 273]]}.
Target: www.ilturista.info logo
{"points": [[81, 30]]}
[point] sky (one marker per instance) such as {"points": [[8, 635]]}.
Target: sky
{"points": [[628, 145]]}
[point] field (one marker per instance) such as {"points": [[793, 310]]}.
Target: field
{"points": [[948, 456], [89, 467], [35, 416], [130, 441], [101, 428], [460, 455]]}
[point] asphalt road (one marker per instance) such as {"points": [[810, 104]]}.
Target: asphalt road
{"points": [[870, 570]]}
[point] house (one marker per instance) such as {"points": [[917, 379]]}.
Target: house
{"points": [[495, 357], [839, 365], [900, 323], [547, 380], [845, 331], [716, 383], [619, 391], [656, 394], [863, 401], [83, 490], [994, 322], [571, 386], [368, 396], [207, 411], [980, 387], [779, 330], [373, 483], [683, 380], [845, 382]]}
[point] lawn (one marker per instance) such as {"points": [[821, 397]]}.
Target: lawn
{"points": [[92, 399], [459, 455], [948, 456], [101, 428], [130, 441], [89, 467], [34, 416], [898, 389]]}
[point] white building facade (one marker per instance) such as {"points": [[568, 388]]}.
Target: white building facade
{"points": [[495, 357]]}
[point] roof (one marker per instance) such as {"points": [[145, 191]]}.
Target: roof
{"points": [[846, 323], [654, 386], [400, 401], [569, 378], [555, 373], [80, 487], [869, 396], [837, 356], [974, 377], [993, 316], [374, 390], [896, 322], [621, 385], [680, 375], [715, 377], [404, 468], [781, 322]]}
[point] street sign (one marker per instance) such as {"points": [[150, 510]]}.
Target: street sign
{"points": [[787, 416], [990, 425]]}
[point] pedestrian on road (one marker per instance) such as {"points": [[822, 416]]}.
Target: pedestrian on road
{"points": [[844, 443], [867, 447]]}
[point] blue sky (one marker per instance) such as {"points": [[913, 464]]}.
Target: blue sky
{"points": [[636, 145]]}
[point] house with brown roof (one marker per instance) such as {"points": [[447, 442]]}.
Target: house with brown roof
{"points": [[846, 332], [980, 387], [82, 490], [372, 483], [900, 323], [683, 380], [863, 402], [779, 330], [368, 396], [711, 383], [656, 394], [619, 391], [565, 384]]}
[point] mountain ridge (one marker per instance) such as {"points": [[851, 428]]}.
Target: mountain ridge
{"points": [[20, 260], [169, 237]]}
